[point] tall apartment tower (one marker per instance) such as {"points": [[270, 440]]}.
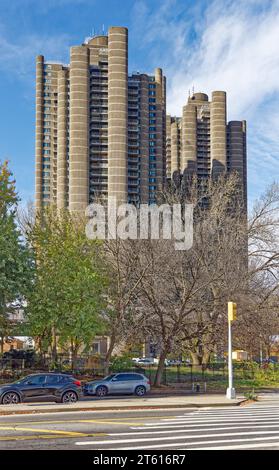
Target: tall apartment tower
{"points": [[201, 142], [100, 132]]}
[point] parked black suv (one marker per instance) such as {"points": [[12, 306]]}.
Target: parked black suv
{"points": [[41, 387]]}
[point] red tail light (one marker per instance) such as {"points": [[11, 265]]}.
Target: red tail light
{"points": [[78, 383], [149, 383]]}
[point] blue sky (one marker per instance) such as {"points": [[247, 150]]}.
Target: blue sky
{"points": [[208, 44]]}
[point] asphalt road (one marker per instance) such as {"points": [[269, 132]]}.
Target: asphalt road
{"points": [[249, 427]]}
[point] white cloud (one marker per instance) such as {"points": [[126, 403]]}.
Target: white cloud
{"points": [[224, 45], [17, 57]]}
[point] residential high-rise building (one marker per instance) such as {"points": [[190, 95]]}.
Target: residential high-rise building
{"points": [[99, 131], [201, 142]]}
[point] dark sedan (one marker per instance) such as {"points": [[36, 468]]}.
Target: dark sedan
{"points": [[41, 387]]}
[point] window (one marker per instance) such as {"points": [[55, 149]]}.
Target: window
{"points": [[125, 377], [121, 377], [152, 100], [152, 128], [46, 144], [46, 152], [151, 115], [96, 347], [152, 107], [152, 121], [152, 180], [53, 379], [152, 93], [152, 136], [35, 380]]}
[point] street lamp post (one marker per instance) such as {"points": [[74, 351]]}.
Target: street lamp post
{"points": [[231, 317]]}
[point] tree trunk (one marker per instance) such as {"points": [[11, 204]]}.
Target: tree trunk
{"points": [[196, 358], [205, 358], [109, 353], [54, 346], [160, 369]]}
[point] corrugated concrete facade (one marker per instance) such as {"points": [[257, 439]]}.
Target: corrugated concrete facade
{"points": [[99, 131]]}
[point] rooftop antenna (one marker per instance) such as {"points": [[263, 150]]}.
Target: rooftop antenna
{"points": [[103, 30], [93, 32], [189, 93], [193, 89]]}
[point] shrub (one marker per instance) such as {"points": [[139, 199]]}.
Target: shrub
{"points": [[121, 363]]}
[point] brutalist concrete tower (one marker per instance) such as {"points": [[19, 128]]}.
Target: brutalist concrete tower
{"points": [[117, 113], [100, 131], [62, 139], [79, 142], [218, 133], [39, 131], [209, 145], [189, 137]]}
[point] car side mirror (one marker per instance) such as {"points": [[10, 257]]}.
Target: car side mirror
{"points": [[114, 380]]}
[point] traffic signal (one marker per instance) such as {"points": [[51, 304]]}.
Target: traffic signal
{"points": [[232, 311]]}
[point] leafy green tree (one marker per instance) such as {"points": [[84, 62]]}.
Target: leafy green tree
{"points": [[15, 257], [66, 302]]}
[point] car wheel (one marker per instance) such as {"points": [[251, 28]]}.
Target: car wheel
{"points": [[140, 390], [101, 391], [10, 398], [69, 397]]}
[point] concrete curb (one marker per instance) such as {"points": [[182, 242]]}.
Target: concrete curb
{"points": [[124, 408]]}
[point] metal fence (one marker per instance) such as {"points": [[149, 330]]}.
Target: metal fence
{"points": [[197, 376]]}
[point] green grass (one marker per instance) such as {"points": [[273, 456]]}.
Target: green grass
{"points": [[216, 380]]}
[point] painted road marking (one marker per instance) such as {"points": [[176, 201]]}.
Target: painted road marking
{"points": [[36, 437], [176, 444], [186, 425], [171, 438], [48, 431], [100, 421], [204, 420], [244, 446], [177, 431]]}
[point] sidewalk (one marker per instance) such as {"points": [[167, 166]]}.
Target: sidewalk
{"points": [[122, 404]]}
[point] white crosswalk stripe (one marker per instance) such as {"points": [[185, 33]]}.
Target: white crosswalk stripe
{"points": [[255, 426]]}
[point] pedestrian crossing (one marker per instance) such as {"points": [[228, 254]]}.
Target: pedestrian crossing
{"points": [[248, 427]]}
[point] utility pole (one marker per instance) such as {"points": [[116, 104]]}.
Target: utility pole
{"points": [[231, 317]]}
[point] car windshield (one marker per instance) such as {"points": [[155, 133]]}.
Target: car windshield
{"points": [[109, 377], [20, 381]]}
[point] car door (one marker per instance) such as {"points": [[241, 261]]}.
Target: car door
{"points": [[118, 384], [53, 382], [33, 387]]}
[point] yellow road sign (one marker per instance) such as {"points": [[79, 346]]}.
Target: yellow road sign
{"points": [[232, 311]]}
